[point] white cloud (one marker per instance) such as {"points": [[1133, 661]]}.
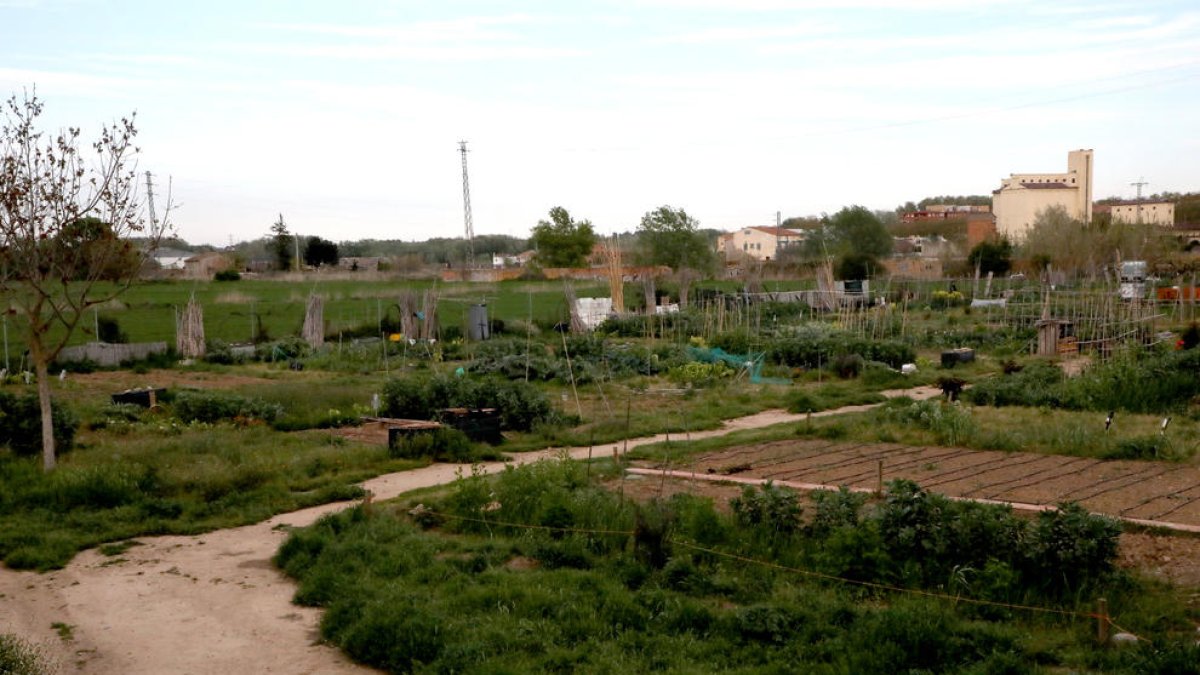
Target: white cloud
{"points": [[417, 52], [802, 5], [747, 33]]}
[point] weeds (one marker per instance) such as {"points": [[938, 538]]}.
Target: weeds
{"points": [[18, 657], [199, 479], [828, 397], [567, 592]]}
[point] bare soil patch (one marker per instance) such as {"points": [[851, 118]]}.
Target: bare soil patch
{"points": [[1158, 491], [1148, 490]]}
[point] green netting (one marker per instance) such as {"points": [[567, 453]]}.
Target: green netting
{"points": [[751, 364]]}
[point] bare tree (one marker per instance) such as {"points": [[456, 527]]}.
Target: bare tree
{"points": [[68, 213]]}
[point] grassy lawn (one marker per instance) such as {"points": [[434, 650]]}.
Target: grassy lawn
{"points": [[169, 478]]}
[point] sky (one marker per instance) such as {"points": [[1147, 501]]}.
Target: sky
{"points": [[345, 117]]}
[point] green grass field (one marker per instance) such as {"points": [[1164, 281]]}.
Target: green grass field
{"points": [[147, 311]]}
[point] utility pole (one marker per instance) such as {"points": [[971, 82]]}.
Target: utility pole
{"points": [[296, 240], [1139, 183], [150, 201], [778, 227], [470, 226]]}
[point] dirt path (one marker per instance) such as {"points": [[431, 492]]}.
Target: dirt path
{"points": [[213, 603]]}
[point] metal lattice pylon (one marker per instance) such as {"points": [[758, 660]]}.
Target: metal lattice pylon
{"points": [[470, 226]]}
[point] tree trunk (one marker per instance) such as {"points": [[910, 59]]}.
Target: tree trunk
{"points": [[49, 460]]}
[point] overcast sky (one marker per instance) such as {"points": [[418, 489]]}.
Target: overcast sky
{"points": [[345, 116]]}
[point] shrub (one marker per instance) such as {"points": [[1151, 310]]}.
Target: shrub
{"points": [[769, 623], [215, 406], [444, 445], [768, 507], [815, 351], [109, 330], [1034, 385], [949, 422], [653, 524], [221, 352], [946, 299], [733, 342], [1190, 338], [911, 522], [285, 349], [848, 365], [21, 424], [521, 405], [923, 637], [1070, 548], [391, 632], [1140, 381], [696, 374], [227, 275], [18, 657], [835, 509]]}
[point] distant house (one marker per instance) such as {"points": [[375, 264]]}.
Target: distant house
{"points": [[1145, 211], [759, 243], [360, 263], [171, 258], [941, 212], [259, 265], [206, 265], [501, 260], [913, 268]]}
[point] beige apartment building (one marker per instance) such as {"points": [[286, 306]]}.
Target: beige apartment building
{"points": [[1022, 196], [1152, 213], [759, 243]]}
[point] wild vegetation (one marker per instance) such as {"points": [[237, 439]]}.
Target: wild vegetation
{"points": [[544, 568]]}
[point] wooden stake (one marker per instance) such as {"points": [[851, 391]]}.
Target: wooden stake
{"points": [[1102, 621]]}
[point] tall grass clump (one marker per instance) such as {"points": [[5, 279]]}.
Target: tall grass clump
{"points": [[829, 396], [18, 657], [950, 423]]}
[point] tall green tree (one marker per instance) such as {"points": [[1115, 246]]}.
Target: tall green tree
{"points": [[853, 230], [318, 251], [992, 255], [670, 237], [67, 217], [561, 241], [282, 245], [1083, 249]]}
